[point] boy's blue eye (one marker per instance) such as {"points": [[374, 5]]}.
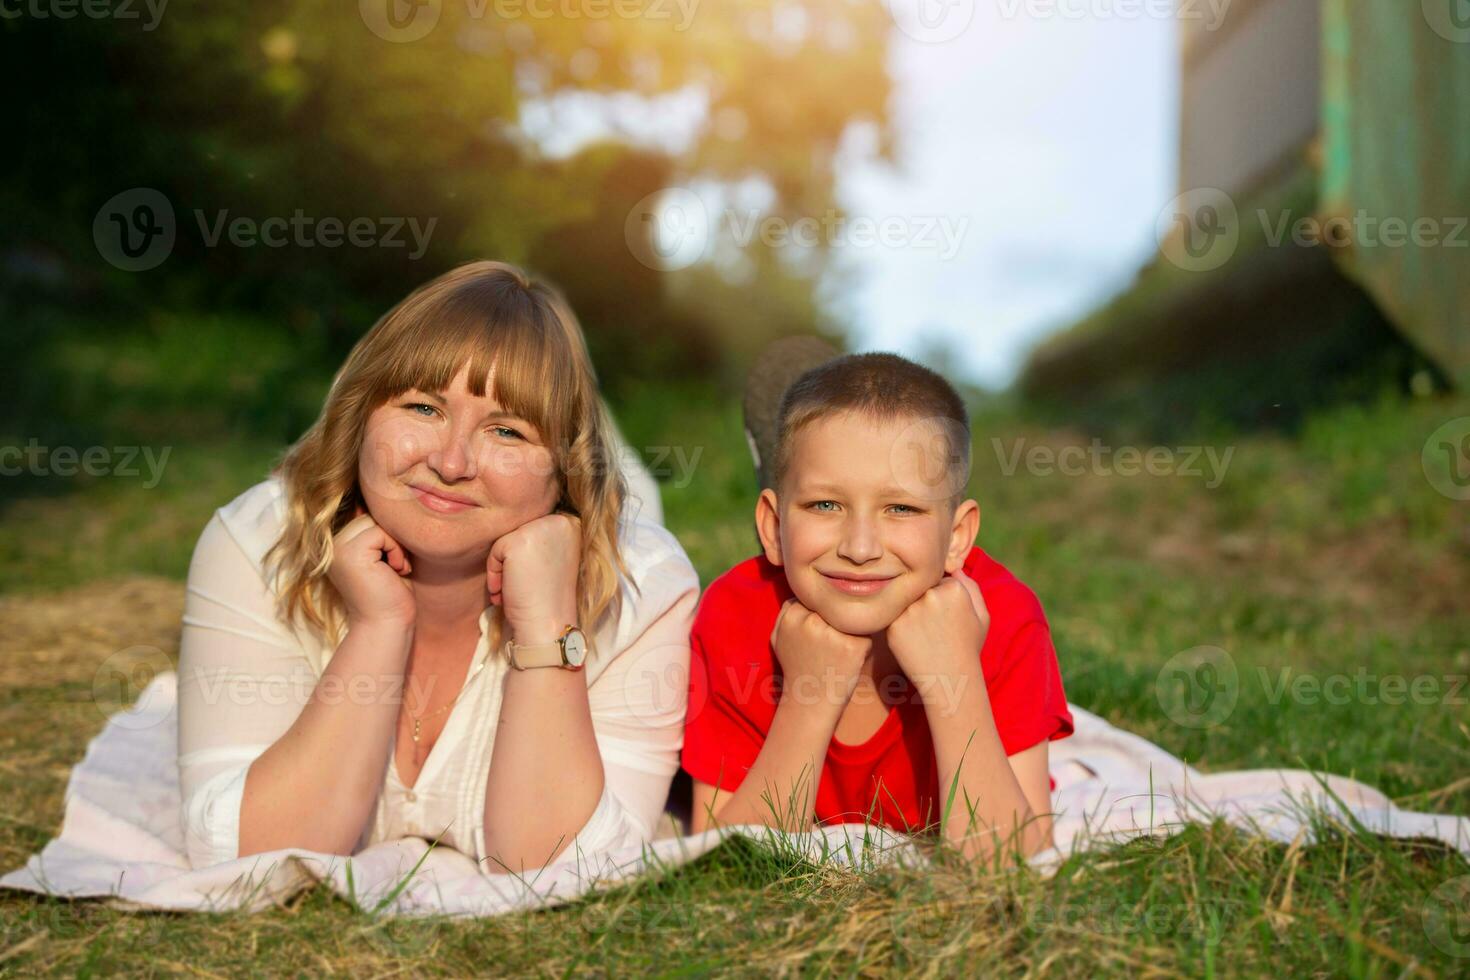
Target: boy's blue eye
{"points": [[825, 506], [905, 509]]}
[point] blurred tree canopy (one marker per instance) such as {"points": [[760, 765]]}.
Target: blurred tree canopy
{"points": [[272, 107]]}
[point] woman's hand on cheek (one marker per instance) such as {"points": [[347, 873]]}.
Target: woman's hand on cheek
{"points": [[370, 572], [940, 634], [532, 575]]}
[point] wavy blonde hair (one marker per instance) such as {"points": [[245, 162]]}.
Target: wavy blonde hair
{"points": [[489, 315]]}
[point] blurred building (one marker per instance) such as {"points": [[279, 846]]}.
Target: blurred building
{"points": [[1250, 92], [1319, 235]]}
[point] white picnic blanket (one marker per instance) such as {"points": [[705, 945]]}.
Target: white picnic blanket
{"points": [[121, 838]]}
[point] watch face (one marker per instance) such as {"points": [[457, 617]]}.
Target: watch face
{"points": [[575, 647]]}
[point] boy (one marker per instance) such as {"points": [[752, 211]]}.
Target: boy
{"points": [[872, 646]]}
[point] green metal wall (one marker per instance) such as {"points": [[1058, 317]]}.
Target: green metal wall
{"points": [[1396, 145]]}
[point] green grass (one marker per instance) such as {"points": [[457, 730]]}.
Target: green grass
{"points": [[1326, 554]]}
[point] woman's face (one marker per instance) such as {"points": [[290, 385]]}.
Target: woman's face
{"points": [[447, 473]]}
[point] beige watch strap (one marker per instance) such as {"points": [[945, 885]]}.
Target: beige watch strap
{"points": [[529, 655]]}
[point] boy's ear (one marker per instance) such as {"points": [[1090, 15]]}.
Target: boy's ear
{"points": [[768, 525], [962, 535]]}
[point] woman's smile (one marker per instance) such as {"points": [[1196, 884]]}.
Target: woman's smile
{"points": [[441, 501]]}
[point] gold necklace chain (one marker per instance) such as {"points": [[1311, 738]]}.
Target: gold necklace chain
{"points": [[418, 720]]}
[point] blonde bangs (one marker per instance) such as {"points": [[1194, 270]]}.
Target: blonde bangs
{"points": [[505, 338]]}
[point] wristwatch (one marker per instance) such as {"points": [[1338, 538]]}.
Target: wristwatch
{"points": [[568, 651]]}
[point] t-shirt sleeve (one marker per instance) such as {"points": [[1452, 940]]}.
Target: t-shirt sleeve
{"points": [[1026, 696], [721, 741]]}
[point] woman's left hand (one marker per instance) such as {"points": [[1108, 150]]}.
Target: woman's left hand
{"points": [[532, 575]]}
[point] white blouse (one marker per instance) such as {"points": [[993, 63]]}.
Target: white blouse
{"points": [[245, 676]]}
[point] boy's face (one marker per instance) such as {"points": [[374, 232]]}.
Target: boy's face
{"points": [[864, 522]]}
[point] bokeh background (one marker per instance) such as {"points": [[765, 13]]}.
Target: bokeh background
{"points": [[1141, 219], [1200, 267]]}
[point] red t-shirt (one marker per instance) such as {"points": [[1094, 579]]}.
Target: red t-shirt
{"points": [[891, 778]]}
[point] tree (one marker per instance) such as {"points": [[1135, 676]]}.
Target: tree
{"points": [[265, 108]]}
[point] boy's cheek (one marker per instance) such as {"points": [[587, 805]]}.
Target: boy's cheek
{"points": [[810, 591], [913, 594], [800, 545], [806, 585]]}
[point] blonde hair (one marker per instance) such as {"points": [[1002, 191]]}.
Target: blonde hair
{"points": [[489, 315]]}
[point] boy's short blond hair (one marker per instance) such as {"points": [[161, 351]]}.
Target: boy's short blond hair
{"points": [[886, 387]]}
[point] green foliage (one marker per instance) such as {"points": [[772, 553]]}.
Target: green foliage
{"points": [[274, 108]]}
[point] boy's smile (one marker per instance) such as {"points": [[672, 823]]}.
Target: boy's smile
{"points": [[853, 527], [853, 584]]}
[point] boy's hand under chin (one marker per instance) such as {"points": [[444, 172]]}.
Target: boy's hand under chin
{"points": [[814, 654], [937, 639]]}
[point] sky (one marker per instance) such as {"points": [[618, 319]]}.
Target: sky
{"points": [[1036, 147], [1046, 145]]}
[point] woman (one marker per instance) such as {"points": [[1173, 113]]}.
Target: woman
{"points": [[387, 637]]}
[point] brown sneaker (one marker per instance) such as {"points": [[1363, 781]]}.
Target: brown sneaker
{"points": [[781, 363]]}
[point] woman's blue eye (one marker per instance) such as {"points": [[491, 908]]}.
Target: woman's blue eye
{"points": [[507, 432], [415, 406]]}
